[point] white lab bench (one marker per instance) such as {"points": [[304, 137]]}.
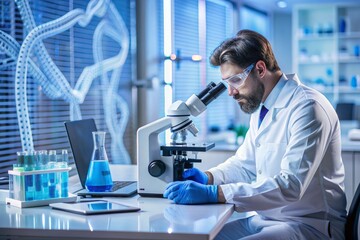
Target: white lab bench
{"points": [[158, 219]]}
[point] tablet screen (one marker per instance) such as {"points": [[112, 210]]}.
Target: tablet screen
{"points": [[100, 206]]}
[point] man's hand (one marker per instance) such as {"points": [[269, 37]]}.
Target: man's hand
{"points": [[195, 175], [190, 192]]}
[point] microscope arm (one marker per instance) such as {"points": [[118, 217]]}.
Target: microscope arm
{"points": [[148, 151], [147, 137]]}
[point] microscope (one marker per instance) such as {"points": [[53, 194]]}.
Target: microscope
{"points": [[160, 165]]}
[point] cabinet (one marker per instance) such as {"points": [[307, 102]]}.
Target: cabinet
{"points": [[326, 49], [351, 162]]}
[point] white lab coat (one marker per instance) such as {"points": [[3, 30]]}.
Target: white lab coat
{"points": [[290, 169]]}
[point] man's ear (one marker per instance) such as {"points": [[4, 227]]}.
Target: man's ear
{"points": [[260, 67]]}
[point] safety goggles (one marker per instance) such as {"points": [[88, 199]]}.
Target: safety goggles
{"points": [[237, 80]]}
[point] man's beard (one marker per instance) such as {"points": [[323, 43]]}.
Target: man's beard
{"points": [[253, 101]]}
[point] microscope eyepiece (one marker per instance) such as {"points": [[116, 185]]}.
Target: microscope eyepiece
{"points": [[206, 90], [213, 93]]}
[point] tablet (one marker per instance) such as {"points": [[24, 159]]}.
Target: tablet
{"points": [[94, 207]]}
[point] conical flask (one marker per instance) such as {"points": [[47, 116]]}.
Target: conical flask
{"points": [[99, 177]]}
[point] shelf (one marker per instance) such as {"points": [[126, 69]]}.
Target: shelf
{"points": [[355, 60], [328, 61], [309, 62], [332, 36], [317, 37], [346, 89], [349, 35]]}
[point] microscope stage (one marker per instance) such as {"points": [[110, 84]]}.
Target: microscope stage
{"points": [[189, 147]]}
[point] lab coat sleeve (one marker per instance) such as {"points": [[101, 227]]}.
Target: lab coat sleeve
{"points": [[241, 165], [309, 134]]}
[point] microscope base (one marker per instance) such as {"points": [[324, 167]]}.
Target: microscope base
{"points": [[152, 195]]}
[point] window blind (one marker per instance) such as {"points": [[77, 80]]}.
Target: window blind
{"points": [[219, 26], [160, 20], [187, 79], [71, 51], [186, 43]]}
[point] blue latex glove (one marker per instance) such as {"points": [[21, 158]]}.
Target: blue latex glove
{"points": [[190, 192], [195, 175]]}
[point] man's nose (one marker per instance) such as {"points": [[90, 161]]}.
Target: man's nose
{"points": [[232, 91]]}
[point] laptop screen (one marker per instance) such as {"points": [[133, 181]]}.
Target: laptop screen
{"points": [[81, 142]]}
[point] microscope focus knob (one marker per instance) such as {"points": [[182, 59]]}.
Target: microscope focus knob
{"points": [[156, 168]]}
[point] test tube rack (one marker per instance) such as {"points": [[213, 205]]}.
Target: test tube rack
{"points": [[39, 187]]}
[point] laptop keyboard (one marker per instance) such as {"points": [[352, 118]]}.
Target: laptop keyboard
{"points": [[120, 184]]}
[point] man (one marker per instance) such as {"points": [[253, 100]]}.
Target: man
{"points": [[289, 168]]}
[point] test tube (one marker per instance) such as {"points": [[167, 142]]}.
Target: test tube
{"points": [[38, 177], [64, 175], [20, 160], [65, 158], [53, 193], [18, 181], [44, 162], [29, 179]]}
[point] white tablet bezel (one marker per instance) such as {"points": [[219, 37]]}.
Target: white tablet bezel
{"points": [[82, 207]]}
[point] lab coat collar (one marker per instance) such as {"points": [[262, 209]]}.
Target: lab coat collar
{"points": [[291, 82], [279, 98], [275, 92]]}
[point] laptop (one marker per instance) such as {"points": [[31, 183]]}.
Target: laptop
{"points": [[81, 142]]}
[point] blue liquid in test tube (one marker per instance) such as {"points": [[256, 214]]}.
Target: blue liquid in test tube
{"points": [[52, 176], [38, 177], [64, 175], [44, 161], [29, 179]]}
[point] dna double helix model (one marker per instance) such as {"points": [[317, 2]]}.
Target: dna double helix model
{"points": [[53, 82]]}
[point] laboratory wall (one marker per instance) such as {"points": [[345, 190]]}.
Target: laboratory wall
{"points": [[282, 40], [148, 80]]}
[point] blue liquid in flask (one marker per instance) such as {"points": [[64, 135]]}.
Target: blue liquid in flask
{"points": [[99, 177]]}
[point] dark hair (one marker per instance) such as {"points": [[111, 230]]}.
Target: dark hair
{"points": [[245, 48]]}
